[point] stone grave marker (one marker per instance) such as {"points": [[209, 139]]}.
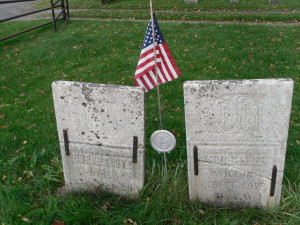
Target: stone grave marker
{"points": [[191, 1], [236, 135], [274, 1], [101, 135], [234, 1]]}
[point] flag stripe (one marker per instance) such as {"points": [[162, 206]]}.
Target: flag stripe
{"points": [[146, 68], [148, 81], [172, 61], [144, 83], [153, 77], [167, 70], [160, 76], [148, 55], [138, 80], [167, 57]]}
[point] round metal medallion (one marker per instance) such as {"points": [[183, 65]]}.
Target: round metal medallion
{"points": [[163, 141]]}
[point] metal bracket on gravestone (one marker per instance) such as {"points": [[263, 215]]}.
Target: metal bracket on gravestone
{"points": [[66, 140], [196, 170], [273, 181], [135, 146]]}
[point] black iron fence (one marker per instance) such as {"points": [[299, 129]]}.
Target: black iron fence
{"points": [[62, 16]]}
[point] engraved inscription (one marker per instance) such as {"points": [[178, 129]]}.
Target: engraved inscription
{"points": [[234, 158], [236, 115], [236, 172], [102, 160], [230, 174], [239, 129]]}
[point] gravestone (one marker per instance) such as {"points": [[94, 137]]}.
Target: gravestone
{"points": [[274, 1], [101, 135], [191, 1], [236, 135], [234, 1]]}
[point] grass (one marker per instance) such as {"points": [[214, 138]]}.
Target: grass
{"points": [[188, 16], [107, 52], [180, 5], [218, 10]]}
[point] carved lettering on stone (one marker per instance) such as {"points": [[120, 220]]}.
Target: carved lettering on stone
{"points": [[100, 122], [239, 130]]}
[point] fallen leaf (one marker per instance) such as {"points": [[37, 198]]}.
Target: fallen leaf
{"points": [[177, 109], [2, 115], [24, 142], [41, 91], [130, 221], [4, 105], [201, 211], [3, 127], [31, 126], [105, 206], [56, 222], [20, 178], [25, 219], [3, 177]]}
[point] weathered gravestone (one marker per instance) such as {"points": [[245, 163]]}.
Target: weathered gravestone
{"points": [[101, 135], [191, 1], [234, 1], [236, 139], [274, 1]]}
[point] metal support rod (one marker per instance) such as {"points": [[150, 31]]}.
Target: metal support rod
{"points": [[63, 9], [134, 150], [68, 12], [24, 31], [53, 16], [66, 142], [61, 13], [273, 181], [196, 167], [157, 84]]}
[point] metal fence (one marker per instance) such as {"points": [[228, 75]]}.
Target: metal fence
{"points": [[62, 16]]}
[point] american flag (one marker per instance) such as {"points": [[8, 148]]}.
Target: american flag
{"points": [[167, 69]]}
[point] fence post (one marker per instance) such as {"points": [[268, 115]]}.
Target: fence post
{"points": [[53, 16]]}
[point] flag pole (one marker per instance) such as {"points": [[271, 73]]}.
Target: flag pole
{"points": [[157, 85], [155, 61]]}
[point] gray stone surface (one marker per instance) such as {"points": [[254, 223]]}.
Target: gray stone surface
{"points": [[191, 1], [101, 122], [234, 1], [274, 1], [238, 130]]}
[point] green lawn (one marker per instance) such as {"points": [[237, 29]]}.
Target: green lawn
{"points": [[180, 5], [218, 10], [107, 52]]}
